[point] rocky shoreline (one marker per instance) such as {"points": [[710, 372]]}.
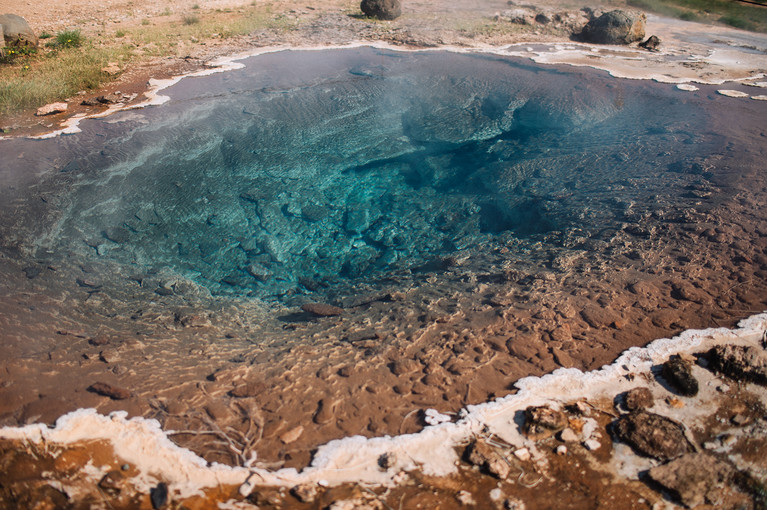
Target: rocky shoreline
{"points": [[680, 420]]}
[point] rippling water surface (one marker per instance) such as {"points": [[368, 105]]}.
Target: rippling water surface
{"points": [[307, 169]]}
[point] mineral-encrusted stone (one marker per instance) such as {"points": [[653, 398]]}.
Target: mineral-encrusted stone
{"points": [[678, 373], [542, 422], [652, 435], [487, 458], [382, 9], [615, 27], [638, 398], [740, 362], [694, 478]]}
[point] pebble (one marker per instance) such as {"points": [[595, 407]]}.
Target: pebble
{"points": [[568, 435], [522, 454], [292, 434], [496, 494], [561, 450], [465, 498], [592, 444], [638, 398]]}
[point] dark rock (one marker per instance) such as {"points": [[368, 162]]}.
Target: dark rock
{"points": [[652, 435], [739, 362], [542, 422], [694, 478], [32, 271], [159, 495], [382, 9], [615, 27], [638, 398], [313, 212], [110, 391], [678, 373], [322, 309], [16, 31], [543, 19], [481, 454], [652, 43], [259, 272], [163, 291]]}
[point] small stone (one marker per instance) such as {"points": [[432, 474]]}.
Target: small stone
{"points": [[542, 422], [292, 434], [110, 391], [305, 493], [522, 454], [592, 444], [561, 450], [322, 309], [678, 373], [109, 355], [496, 494], [99, 340], [568, 436], [675, 403], [51, 109], [481, 454], [740, 420], [465, 498], [32, 271], [638, 398], [159, 495], [652, 43]]}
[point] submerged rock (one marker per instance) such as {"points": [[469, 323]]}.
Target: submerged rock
{"points": [[694, 478], [382, 9], [652, 435], [678, 373], [15, 31], [322, 309], [615, 27], [740, 362]]}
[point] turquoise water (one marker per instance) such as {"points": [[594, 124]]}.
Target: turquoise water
{"points": [[310, 169]]}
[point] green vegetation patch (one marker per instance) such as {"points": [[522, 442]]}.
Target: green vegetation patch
{"points": [[729, 12]]}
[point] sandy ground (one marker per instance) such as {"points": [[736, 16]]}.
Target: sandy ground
{"points": [[369, 372]]}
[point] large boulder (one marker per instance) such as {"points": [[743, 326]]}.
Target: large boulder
{"points": [[382, 9], [16, 31], [615, 27]]}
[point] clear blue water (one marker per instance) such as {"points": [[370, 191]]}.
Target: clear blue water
{"points": [[308, 169]]}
